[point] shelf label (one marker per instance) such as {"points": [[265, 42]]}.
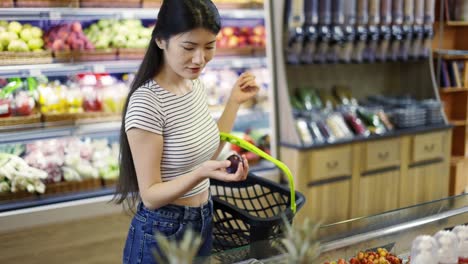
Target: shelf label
{"points": [[99, 68], [237, 64], [128, 15], [35, 73], [54, 15]]}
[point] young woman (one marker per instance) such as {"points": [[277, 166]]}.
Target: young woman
{"points": [[169, 141]]}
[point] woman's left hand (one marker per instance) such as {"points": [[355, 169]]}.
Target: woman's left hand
{"points": [[245, 88]]}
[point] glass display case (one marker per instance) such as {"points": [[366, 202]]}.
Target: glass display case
{"points": [[58, 109], [393, 230]]}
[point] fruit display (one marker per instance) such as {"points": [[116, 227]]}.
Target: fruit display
{"points": [[17, 37], [73, 159], [17, 175], [67, 37], [237, 37], [18, 97], [381, 256], [219, 82], [128, 33], [88, 93]]}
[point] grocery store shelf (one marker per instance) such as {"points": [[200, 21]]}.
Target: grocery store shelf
{"points": [[452, 54], [65, 69], [46, 131], [453, 89], [458, 122], [100, 13], [103, 195], [98, 128], [395, 133], [457, 23]]}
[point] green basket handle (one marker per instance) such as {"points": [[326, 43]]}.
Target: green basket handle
{"points": [[250, 147]]}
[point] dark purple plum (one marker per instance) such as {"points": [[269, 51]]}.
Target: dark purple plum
{"points": [[235, 160]]}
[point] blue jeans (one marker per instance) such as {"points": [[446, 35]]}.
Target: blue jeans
{"points": [[172, 221]]}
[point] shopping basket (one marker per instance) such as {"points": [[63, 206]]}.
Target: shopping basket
{"points": [[251, 212]]}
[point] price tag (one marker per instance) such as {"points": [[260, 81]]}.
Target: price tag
{"points": [[237, 64], [99, 68], [54, 15], [35, 73], [128, 15]]}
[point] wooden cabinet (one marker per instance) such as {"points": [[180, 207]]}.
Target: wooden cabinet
{"points": [[366, 178], [424, 183], [381, 154], [377, 193], [324, 177], [328, 202], [427, 147]]}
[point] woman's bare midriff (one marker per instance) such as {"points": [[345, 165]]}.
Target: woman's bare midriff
{"points": [[193, 201]]}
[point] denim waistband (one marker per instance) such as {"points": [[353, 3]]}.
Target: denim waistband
{"points": [[178, 212]]}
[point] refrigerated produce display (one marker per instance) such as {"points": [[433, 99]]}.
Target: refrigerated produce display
{"points": [[66, 68], [394, 237]]}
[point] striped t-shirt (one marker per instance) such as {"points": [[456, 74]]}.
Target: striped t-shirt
{"points": [[190, 133]]}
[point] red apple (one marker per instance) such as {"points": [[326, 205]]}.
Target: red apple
{"points": [[227, 31], [259, 30], [247, 31], [76, 27], [233, 42], [242, 41]]}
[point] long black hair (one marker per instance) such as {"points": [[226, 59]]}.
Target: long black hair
{"points": [[175, 17]]}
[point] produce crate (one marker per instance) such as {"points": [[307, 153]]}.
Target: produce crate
{"points": [[72, 186], [6, 3], [54, 119], [259, 51], [47, 3], [96, 55], [241, 51], [131, 54], [114, 3], [151, 3], [85, 55], [93, 117], [20, 120], [19, 58], [109, 183], [19, 195]]}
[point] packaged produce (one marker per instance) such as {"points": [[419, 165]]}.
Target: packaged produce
{"points": [[424, 250], [461, 232], [16, 175], [356, 124], [448, 247]]}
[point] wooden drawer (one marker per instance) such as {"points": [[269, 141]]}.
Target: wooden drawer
{"points": [[428, 146], [329, 163], [381, 154]]}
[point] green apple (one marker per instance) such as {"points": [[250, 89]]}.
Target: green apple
{"points": [[35, 43], [119, 41], [36, 32], [26, 34], [7, 37], [3, 23], [27, 25], [14, 26], [18, 45], [1, 47]]}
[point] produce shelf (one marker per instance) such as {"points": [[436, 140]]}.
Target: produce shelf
{"points": [[65, 69], [99, 13], [457, 23]]}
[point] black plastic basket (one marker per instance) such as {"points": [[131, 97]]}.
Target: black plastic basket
{"points": [[250, 213]]}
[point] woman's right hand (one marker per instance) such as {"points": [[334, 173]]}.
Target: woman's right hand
{"points": [[215, 169]]}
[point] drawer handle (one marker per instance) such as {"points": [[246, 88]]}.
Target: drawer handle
{"points": [[429, 148], [383, 155], [332, 165]]}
